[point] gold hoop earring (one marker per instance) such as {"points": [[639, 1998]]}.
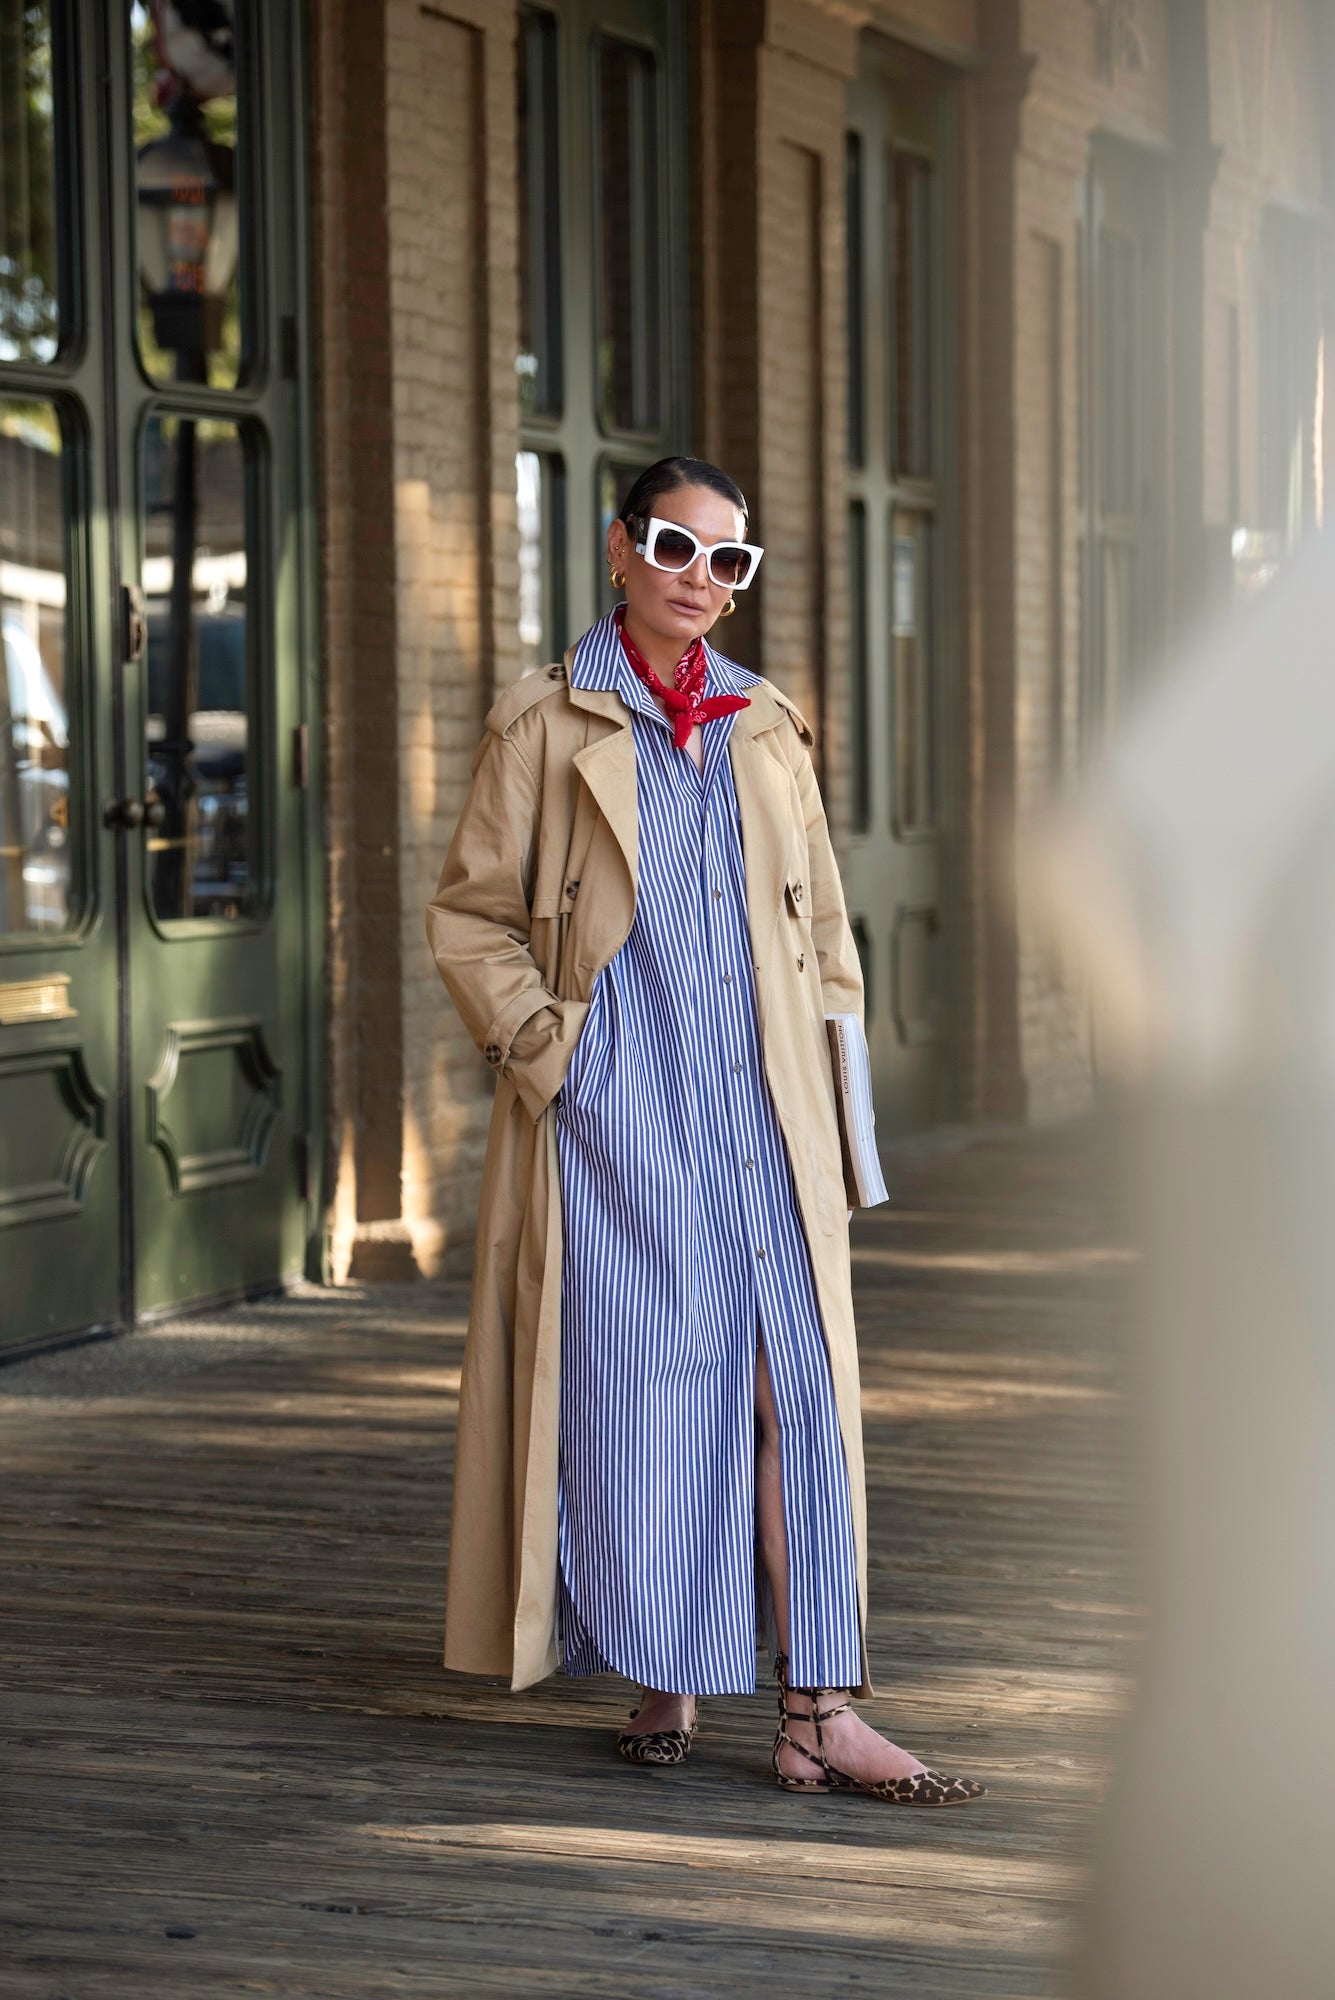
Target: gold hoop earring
{"points": [[728, 609], [617, 579]]}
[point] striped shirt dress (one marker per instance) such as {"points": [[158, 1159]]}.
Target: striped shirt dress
{"points": [[684, 1248]]}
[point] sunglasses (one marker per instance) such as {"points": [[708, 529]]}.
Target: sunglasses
{"points": [[731, 565]]}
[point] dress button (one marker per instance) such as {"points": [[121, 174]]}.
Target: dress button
{"points": [[750, 1163], [736, 1068], [717, 894], [727, 979], [761, 1251]]}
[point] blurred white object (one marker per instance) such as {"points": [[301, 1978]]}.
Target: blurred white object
{"points": [[1196, 878]]}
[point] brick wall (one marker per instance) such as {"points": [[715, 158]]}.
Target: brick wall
{"points": [[418, 305], [416, 245], [358, 635], [454, 310]]}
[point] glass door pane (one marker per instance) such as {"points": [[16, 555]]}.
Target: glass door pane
{"points": [[30, 291], [36, 891], [189, 194], [198, 732]]}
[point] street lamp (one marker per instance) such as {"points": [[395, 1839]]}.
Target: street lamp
{"points": [[188, 233]]}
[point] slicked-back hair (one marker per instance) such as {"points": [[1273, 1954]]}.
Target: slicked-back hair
{"points": [[669, 475]]}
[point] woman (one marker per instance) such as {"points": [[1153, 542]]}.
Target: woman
{"points": [[641, 923]]}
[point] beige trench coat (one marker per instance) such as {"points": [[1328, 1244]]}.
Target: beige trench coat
{"points": [[536, 895]]}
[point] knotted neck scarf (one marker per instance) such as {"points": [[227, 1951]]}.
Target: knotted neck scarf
{"points": [[687, 702]]}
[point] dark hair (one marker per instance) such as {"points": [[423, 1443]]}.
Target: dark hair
{"points": [[669, 475]]}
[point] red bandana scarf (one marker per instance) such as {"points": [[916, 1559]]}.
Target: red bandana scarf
{"points": [[687, 700]]}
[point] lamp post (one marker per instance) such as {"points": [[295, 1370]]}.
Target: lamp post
{"points": [[187, 249]]}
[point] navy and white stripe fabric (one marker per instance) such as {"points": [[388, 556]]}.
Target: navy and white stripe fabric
{"points": [[683, 1246]]}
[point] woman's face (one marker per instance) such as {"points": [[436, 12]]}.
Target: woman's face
{"points": [[677, 606]]}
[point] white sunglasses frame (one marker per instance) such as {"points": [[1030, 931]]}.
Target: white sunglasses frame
{"points": [[652, 526]]}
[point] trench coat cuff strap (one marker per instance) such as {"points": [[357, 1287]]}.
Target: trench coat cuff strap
{"points": [[539, 1076], [519, 1008]]}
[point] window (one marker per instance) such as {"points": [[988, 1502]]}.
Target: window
{"points": [[860, 663], [538, 363], [1286, 376], [629, 352], [854, 303], [600, 95], [911, 276], [540, 483], [912, 729]]}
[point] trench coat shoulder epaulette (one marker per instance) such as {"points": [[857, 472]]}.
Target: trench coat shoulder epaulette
{"points": [[799, 721], [541, 684]]}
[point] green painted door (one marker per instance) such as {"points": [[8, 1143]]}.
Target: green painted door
{"points": [[156, 1099]]}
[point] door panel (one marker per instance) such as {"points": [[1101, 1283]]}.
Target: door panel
{"points": [[898, 233], [60, 1211], [208, 438], [155, 1085]]}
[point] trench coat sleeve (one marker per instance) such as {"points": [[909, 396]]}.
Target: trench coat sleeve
{"points": [[478, 926], [836, 947]]}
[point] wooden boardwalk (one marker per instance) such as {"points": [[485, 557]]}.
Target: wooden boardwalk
{"points": [[236, 1767]]}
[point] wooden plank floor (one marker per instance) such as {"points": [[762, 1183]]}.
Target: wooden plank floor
{"points": [[236, 1767]]}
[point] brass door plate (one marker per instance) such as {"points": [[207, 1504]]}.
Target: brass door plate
{"points": [[36, 1000]]}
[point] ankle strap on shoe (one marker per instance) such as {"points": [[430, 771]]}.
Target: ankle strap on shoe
{"points": [[815, 1713]]}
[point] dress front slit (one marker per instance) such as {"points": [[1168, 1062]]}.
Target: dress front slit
{"points": [[683, 1243]]}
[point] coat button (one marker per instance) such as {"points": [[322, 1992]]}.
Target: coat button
{"points": [[556, 673], [492, 1052], [801, 961], [797, 892], [572, 886]]}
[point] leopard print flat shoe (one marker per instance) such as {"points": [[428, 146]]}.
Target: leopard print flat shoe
{"points": [[922, 1788], [658, 1746]]}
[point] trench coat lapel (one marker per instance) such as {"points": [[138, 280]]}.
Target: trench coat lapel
{"points": [[607, 766]]}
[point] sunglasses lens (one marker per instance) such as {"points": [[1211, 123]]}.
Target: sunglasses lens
{"points": [[730, 566], [674, 550]]}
